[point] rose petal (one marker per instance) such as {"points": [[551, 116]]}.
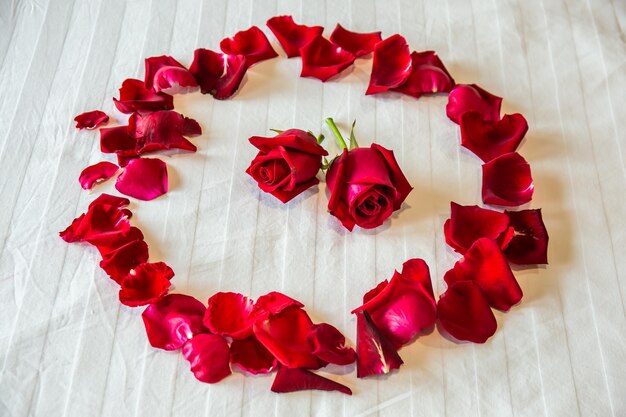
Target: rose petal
{"points": [[162, 130], [145, 284], [208, 356], [295, 139], [358, 44], [507, 181], [91, 119], [252, 43], [164, 73], [485, 265], [118, 263], [144, 179], [173, 320], [375, 355], [134, 96], [488, 140], [218, 74], [96, 173], [470, 97], [229, 314], [117, 140], [273, 303], [391, 66], [329, 344], [464, 313], [292, 380], [110, 200], [428, 76], [322, 59], [469, 223], [398, 179], [251, 356], [530, 244], [99, 223], [291, 35]]}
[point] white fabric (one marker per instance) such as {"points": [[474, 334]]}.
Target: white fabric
{"points": [[68, 348]]}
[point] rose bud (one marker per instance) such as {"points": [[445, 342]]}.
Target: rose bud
{"points": [[366, 184], [286, 164]]}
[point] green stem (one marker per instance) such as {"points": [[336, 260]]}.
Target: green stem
{"points": [[333, 127]]}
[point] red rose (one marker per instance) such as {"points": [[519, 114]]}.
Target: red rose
{"points": [[286, 164]]}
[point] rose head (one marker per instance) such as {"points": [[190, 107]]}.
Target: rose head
{"points": [[286, 164], [366, 186]]}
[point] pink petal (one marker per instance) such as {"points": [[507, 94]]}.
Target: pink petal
{"points": [[96, 173], [165, 73], [428, 76], [529, 246], [134, 96], [507, 181], [252, 43], [322, 59], [375, 354], [145, 284], [358, 44], [218, 74], [392, 65], [291, 35], [91, 119], [118, 263], [144, 179], [292, 380], [208, 356], [330, 345], [488, 140], [251, 356], [470, 97], [229, 314]]}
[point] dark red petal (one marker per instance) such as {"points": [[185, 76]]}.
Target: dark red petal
{"points": [[322, 59], [134, 96], [236, 67], [145, 284], [218, 74], [295, 139], [162, 130], [118, 263], [507, 181], [291, 35], [165, 73], [463, 312], [252, 43], [529, 246], [469, 223], [208, 356], [292, 380], [470, 97], [117, 140], [358, 44], [485, 265], [96, 173], [144, 178], [397, 177], [110, 200], [273, 303], [91, 119], [391, 66], [335, 179], [173, 320], [375, 355], [488, 140], [329, 344], [251, 356], [428, 76], [229, 314]]}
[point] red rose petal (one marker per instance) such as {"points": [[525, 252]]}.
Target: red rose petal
{"points": [[173, 320], [488, 140], [391, 66], [91, 119], [165, 74], [428, 76], [470, 97], [145, 284], [134, 96], [375, 355], [529, 246], [252, 43], [323, 59], [291, 35], [144, 179], [507, 181], [218, 74], [329, 344], [110, 200], [208, 356], [358, 44], [229, 314], [96, 173], [398, 179], [485, 265], [117, 140], [251, 356], [100, 222], [118, 263], [292, 380], [469, 223], [273, 303], [162, 130], [464, 313]]}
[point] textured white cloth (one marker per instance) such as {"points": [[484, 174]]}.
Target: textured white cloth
{"points": [[67, 346]]}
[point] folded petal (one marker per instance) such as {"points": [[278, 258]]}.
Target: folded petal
{"points": [[173, 320], [251, 356], [397, 177], [110, 200], [292, 380], [91, 119], [323, 59], [529, 246], [392, 65], [464, 313], [117, 140], [329, 344], [118, 263], [135, 97], [291, 35], [218, 74], [252, 43], [229, 314], [97, 224], [358, 44], [375, 355], [507, 181], [96, 173], [470, 97], [208, 356], [162, 130], [488, 140], [428, 76], [164, 73], [145, 284], [273, 303], [143, 178]]}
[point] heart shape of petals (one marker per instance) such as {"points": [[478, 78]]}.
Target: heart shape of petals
{"points": [[251, 356], [291, 35], [118, 263], [173, 320], [529, 246], [469, 97], [322, 59], [96, 173], [469, 223], [464, 313], [229, 314], [329, 344], [91, 119], [252, 43], [165, 74], [486, 266], [488, 140], [143, 178], [135, 97], [292, 380], [162, 130], [428, 76], [375, 354], [208, 356], [392, 65], [507, 181], [145, 284], [358, 44], [218, 74]]}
